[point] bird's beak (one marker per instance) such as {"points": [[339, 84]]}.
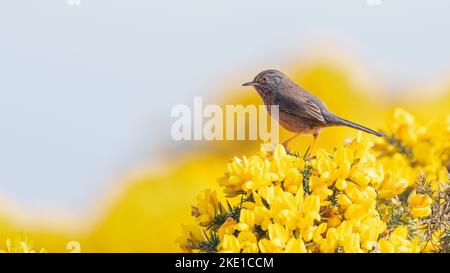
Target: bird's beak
{"points": [[250, 84]]}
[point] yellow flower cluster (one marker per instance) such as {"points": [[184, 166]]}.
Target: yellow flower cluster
{"points": [[347, 200], [412, 148]]}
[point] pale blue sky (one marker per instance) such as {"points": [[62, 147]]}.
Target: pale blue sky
{"points": [[86, 91]]}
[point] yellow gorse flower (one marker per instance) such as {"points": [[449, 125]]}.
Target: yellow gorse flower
{"points": [[419, 204], [207, 206], [353, 199], [191, 238]]}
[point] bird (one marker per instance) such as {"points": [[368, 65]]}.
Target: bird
{"points": [[300, 111]]}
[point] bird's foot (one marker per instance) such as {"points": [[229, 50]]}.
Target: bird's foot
{"points": [[308, 154], [290, 152]]}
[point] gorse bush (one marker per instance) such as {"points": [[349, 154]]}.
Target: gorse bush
{"points": [[391, 195]]}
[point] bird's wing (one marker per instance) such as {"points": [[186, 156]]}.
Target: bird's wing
{"points": [[313, 109], [304, 105]]}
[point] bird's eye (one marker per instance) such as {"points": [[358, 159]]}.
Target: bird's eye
{"points": [[264, 80]]}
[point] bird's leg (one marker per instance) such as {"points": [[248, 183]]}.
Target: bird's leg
{"points": [[310, 149], [286, 142]]}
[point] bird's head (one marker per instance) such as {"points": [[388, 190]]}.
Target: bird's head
{"points": [[267, 81]]}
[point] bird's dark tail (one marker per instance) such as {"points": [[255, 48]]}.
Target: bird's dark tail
{"points": [[341, 121]]}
